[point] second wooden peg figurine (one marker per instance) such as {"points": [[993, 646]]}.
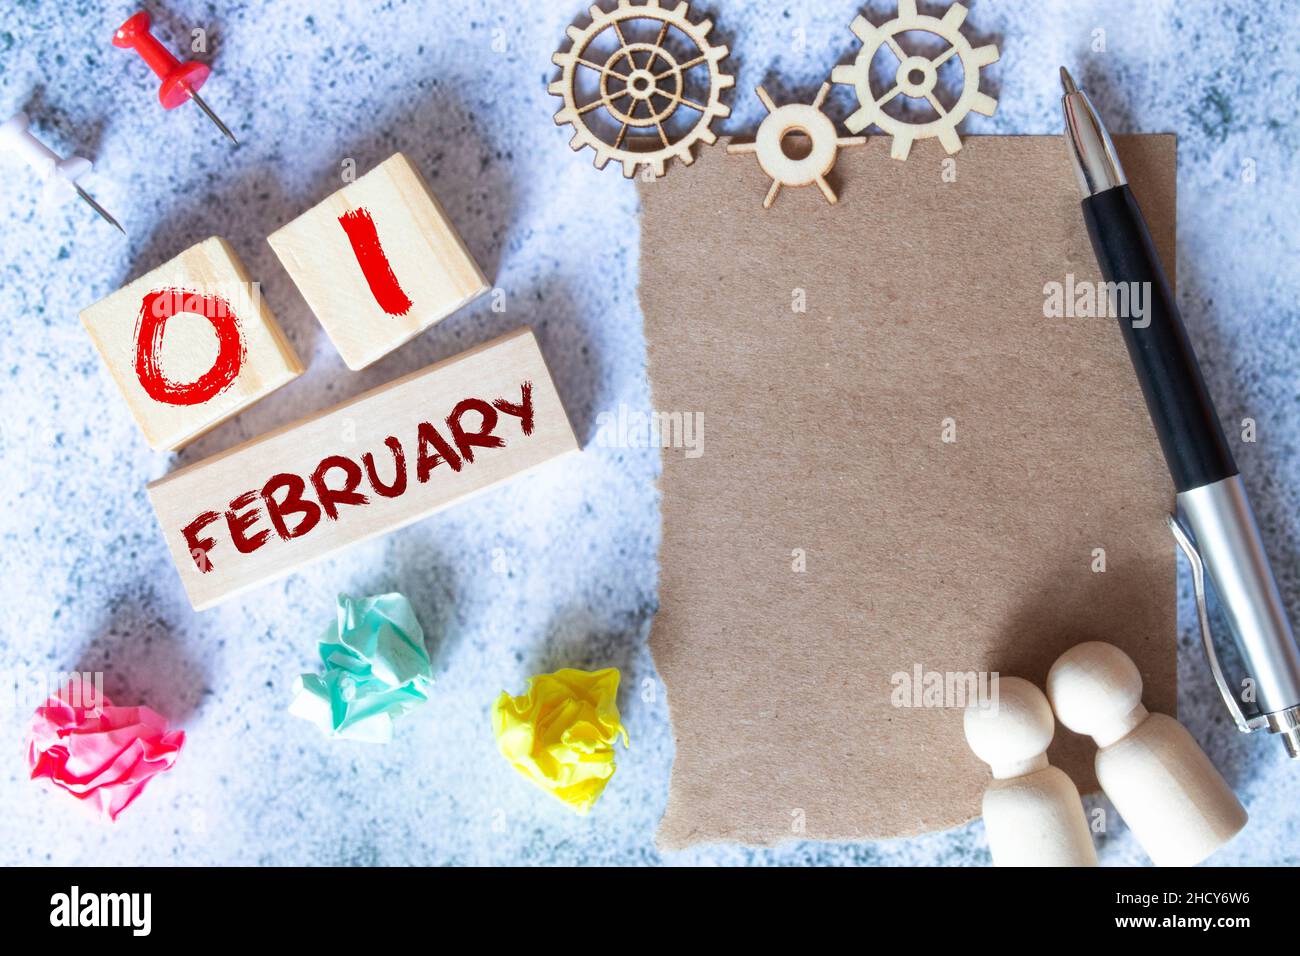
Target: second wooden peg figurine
{"points": [[1173, 799]]}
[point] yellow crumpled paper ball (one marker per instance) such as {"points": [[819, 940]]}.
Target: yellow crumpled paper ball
{"points": [[561, 734]]}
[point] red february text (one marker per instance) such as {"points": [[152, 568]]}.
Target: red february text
{"points": [[290, 504]]}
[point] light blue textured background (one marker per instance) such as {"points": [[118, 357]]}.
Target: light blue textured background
{"points": [[86, 581]]}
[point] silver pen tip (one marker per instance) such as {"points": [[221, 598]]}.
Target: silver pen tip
{"points": [[1096, 164]]}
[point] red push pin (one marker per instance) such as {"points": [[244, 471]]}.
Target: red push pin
{"points": [[180, 81]]}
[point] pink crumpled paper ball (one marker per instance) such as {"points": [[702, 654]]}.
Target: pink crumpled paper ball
{"points": [[104, 754]]}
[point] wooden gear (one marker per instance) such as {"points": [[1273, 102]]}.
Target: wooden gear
{"points": [[640, 77], [824, 141], [917, 77]]}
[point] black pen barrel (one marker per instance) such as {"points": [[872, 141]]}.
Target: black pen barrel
{"points": [[1177, 399]]}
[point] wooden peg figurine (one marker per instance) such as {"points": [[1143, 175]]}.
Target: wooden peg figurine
{"points": [[1177, 804], [1032, 811]]}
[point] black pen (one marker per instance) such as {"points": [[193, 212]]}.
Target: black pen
{"points": [[1218, 530]]}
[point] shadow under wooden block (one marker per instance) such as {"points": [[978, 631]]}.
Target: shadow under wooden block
{"points": [[378, 261], [190, 344], [371, 465]]}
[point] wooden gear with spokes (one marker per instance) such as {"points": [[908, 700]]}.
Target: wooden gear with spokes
{"points": [[917, 77], [641, 86]]}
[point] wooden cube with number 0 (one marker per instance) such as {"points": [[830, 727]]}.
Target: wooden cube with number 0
{"points": [[190, 344]]}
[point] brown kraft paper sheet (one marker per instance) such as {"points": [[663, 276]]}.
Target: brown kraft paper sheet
{"points": [[823, 537]]}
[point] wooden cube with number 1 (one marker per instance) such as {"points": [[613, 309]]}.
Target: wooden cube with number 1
{"points": [[378, 262]]}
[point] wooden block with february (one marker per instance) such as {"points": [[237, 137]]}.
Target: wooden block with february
{"points": [[378, 261], [190, 344], [371, 465]]}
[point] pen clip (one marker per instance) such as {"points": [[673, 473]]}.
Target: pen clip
{"points": [[1244, 724]]}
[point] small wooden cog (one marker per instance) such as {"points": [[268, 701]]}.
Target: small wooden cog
{"points": [[641, 85], [824, 145], [916, 77]]}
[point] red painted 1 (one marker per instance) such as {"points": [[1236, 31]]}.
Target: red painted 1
{"points": [[360, 228]]}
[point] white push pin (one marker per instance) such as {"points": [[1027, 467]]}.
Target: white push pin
{"points": [[60, 175], [1032, 811], [1178, 806]]}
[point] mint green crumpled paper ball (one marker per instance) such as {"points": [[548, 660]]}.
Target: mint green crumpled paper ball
{"points": [[376, 669]]}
